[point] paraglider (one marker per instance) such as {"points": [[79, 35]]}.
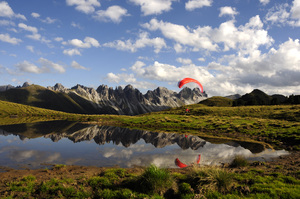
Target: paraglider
{"points": [[182, 165], [188, 80]]}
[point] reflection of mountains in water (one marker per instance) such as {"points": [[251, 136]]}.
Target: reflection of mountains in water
{"points": [[78, 132], [127, 137]]}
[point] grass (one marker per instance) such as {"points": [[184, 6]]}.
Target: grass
{"points": [[153, 182]]}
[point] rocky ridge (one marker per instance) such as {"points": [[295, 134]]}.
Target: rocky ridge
{"points": [[130, 101]]}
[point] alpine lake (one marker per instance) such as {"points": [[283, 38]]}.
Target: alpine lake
{"points": [[44, 144]]}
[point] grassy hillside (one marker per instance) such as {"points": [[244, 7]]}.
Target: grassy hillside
{"points": [[42, 97], [217, 101]]}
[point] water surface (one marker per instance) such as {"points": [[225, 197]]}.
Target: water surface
{"points": [[60, 142]]}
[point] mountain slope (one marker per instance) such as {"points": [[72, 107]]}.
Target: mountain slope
{"points": [[103, 100]]}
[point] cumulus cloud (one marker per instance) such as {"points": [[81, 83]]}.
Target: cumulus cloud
{"points": [[45, 63], [116, 78], [88, 42], [142, 42], [284, 14], [45, 67], [184, 61], [246, 37], [169, 73], [6, 11], [153, 7], [75, 65], [197, 38], [72, 52], [113, 13], [295, 10], [228, 11], [35, 35], [28, 28], [264, 2], [35, 15], [85, 6], [278, 14], [8, 39], [29, 67], [194, 4]]}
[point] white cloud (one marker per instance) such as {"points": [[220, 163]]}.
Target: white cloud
{"points": [[35, 15], [194, 4], [295, 10], [169, 73], [264, 2], [285, 14], [75, 65], [117, 78], [113, 13], [28, 67], [58, 39], [153, 7], [46, 66], [85, 6], [142, 42], [278, 14], [8, 39], [72, 52], [6, 11], [45, 63], [184, 61], [228, 11], [76, 25], [28, 28], [6, 23], [48, 20], [246, 37], [197, 38], [87, 43], [30, 48]]}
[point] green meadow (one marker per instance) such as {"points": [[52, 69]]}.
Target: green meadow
{"points": [[274, 126]]}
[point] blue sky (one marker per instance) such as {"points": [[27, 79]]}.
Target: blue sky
{"points": [[229, 46]]}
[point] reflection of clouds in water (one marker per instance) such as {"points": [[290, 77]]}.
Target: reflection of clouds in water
{"points": [[7, 148], [211, 154], [37, 156], [268, 155]]}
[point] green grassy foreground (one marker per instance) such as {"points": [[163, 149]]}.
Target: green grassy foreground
{"points": [[152, 182]]}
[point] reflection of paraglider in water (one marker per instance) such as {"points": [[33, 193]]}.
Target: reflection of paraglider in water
{"points": [[188, 80], [182, 165]]}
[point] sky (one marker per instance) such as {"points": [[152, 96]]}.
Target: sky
{"points": [[230, 46]]}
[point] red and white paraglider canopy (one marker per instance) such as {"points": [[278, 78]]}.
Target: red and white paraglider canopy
{"points": [[188, 80]]}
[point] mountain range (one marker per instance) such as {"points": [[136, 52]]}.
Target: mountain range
{"points": [[103, 100]]}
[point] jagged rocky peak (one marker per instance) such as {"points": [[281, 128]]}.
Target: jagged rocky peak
{"points": [[6, 87], [26, 84], [102, 88], [162, 91], [57, 87], [128, 87]]}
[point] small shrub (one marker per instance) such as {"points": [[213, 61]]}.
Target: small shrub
{"points": [[155, 180], [239, 161]]}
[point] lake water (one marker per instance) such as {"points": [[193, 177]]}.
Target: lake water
{"points": [[38, 145]]}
